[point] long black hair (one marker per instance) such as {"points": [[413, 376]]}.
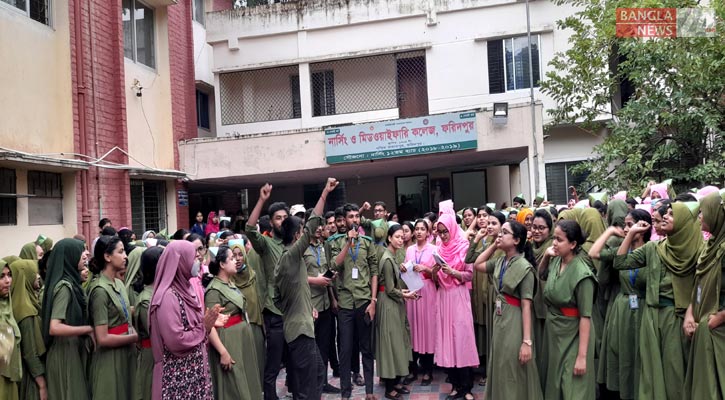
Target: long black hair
{"points": [[149, 261], [642, 215], [104, 245]]}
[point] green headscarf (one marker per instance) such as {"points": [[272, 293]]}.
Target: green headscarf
{"points": [[44, 242], [12, 370], [25, 298], [63, 269], [11, 259], [133, 265], [246, 282], [680, 249], [616, 212], [570, 214], [28, 252], [591, 223], [708, 273]]}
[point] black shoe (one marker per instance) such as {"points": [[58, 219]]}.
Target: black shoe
{"points": [[336, 373], [402, 390], [409, 379], [427, 381], [330, 389], [358, 380]]}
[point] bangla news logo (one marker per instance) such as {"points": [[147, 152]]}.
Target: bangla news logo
{"points": [[665, 22]]}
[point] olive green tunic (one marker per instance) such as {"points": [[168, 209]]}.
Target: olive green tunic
{"points": [[247, 283], [32, 348], [662, 343], [316, 261], [269, 250], [540, 308], [64, 363], [619, 362], [242, 381], [507, 378], [479, 299], [10, 373], [573, 288], [393, 348], [145, 358], [354, 293], [112, 369]]}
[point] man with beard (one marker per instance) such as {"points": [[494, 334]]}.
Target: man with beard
{"points": [[270, 249]]}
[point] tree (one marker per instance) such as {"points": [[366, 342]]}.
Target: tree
{"points": [[672, 125]]}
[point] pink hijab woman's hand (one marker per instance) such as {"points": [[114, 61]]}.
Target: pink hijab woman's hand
{"points": [[213, 318]]}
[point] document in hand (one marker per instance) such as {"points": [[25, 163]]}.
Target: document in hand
{"points": [[411, 278], [439, 259]]}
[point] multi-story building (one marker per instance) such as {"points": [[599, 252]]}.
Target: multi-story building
{"points": [[95, 96], [405, 101]]}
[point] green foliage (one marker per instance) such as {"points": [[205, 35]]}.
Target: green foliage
{"points": [[674, 124]]}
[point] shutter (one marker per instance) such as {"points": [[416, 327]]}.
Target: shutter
{"points": [[294, 81], [329, 93], [495, 67], [556, 183]]}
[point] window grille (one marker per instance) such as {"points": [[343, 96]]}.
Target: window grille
{"points": [[46, 205], [558, 179], [508, 63], [148, 206], [8, 201]]}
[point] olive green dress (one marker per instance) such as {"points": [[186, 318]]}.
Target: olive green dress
{"points": [[11, 373], [574, 287], [112, 369], [479, 299], [507, 378], [145, 358], [242, 382], [393, 348], [540, 308], [246, 281], [64, 363]]}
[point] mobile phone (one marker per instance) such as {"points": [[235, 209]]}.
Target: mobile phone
{"points": [[328, 274]]}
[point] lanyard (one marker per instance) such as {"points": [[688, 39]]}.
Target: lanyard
{"points": [[632, 275], [357, 250], [123, 304], [501, 273], [417, 258], [317, 253]]}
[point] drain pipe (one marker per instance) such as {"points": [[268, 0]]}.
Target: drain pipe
{"points": [[82, 124]]}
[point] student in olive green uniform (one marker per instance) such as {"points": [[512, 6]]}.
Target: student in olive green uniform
{"points": [[10, 372], [512, 371], [355, 258], [133, 268], [234, 359], [670, 268], [26, 309], [65, 322], [114, 360], [705, 316], [393, 348], [542, 236], [246, 281], [145, 358], [294, 299], [269, 249], [619, 357], [569, 333]]}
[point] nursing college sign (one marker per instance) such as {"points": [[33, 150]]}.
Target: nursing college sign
{"points": [[401, 137]]}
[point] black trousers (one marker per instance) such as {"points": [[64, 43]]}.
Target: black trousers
{"points": [[306, 369], [426, 364], [273, 326], [349, 322], [323, 334], [334, 362], [461, 379]]}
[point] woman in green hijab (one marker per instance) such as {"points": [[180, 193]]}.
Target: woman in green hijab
{"points": [[145, 359], [10, 367], [705, 315], [65, 322], [35, 250], [670, 272], [26, 309]]}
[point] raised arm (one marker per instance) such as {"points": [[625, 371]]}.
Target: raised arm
{"points": [[480, 263], [264, 193], [597, 247]]}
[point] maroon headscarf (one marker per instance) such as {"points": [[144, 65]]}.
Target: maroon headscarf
{"points": [[211, 227], [172, 273], [453, 252]]}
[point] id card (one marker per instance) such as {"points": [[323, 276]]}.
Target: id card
{"points": [[699, 294], [355, 273], [498, 307], [633, 302]]}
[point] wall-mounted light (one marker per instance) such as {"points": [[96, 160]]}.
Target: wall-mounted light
{"points": [[137, 87], [500, 113]]}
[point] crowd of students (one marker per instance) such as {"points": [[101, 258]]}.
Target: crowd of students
{"points": [[610, 297]]}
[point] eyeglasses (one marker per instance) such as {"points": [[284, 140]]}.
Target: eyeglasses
{"points": [[201, 249], [443, 232], [503, 232], [539, 227]]}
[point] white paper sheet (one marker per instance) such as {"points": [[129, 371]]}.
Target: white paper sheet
{"points": [[411, 278]]}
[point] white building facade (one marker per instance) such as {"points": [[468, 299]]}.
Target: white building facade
{"points": [[288, 75]]}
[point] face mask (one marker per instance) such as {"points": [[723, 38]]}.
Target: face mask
{"points": [[242, 268], [195, 268]]}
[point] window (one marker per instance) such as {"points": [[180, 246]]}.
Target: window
{"points": [[294, 81], [508, 64], [323, 93], [138, 32], [8, 201], [198, 11], [37, 10], [202, 110], [558, 179], [45, 206], [148, 205]]}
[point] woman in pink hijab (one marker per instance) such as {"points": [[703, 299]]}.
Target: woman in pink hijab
{"points": [[179, 328], [455, 341], [212, 223]]}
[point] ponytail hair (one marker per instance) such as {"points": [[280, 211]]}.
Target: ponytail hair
{"points": [[104, 245]]}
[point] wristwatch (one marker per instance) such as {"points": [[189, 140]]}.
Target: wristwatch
{"points": [[528, 342]]}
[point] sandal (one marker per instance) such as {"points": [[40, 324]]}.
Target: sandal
{"points": [[426, 381], [453, 395], [468, 396], [402, 389], [394, 395]]}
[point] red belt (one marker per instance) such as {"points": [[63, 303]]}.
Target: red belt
{"points": [[570, 311], [233, 320], [119, 330], [512, 301], [381, 288], [145, 343], [427, 276]]}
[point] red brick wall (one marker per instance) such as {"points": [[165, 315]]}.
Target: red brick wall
{"points": [[183, 89], [219, 5], [101, 85]]}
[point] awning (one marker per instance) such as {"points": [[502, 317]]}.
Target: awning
{"points": [[24, 160]]}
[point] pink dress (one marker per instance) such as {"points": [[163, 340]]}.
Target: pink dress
{"points": [[422, 312]]}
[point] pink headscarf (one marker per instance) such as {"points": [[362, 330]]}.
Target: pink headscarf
{"points": [[172, 273], [453, 252], [660, 188], [705, 191], [621, 195], [211, 227]]}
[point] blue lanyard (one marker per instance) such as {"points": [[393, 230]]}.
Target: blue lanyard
{"points": [[632, 276], [123, 304], [501, 273], [317, 253], [417, 259], [357, 250]]}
